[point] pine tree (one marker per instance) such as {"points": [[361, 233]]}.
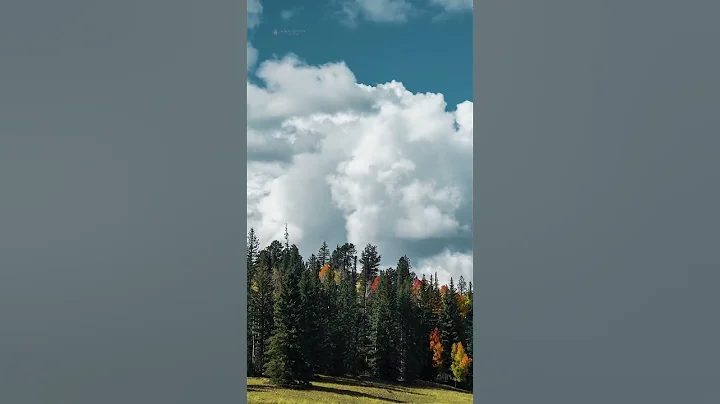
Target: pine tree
{"points": [[276, 250], [313, 264], [382, 345], [330, 320], [348, 322], [427, 324], [462, 286], [309, 310], [348, 257], [407, 323], [436, 302], [369, 263], [449, 323], [287, 237], [330, 316], [369, 267], [287, 365], [261, 302], [323, 254], [252, 251], [469, 325]]}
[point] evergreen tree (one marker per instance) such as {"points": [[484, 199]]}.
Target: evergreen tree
{"points": [[261, 302], [348, 322], [462, 286], [427, 324], [449, 322], [329, 316], [275, 249], [369, 267], [323, 254], [287, 237], [287, 365], [313, 264], [348, 255], [369, 264], [330, 321], [382, 351], [407, 323], [470, 331], [310, 319], [252, 250]]}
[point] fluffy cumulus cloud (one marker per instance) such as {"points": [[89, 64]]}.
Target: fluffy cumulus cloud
{"points": [[254, 11], [340, 161], [447, 264]]}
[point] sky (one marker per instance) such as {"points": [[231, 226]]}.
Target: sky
{"points": [[360, 128]]}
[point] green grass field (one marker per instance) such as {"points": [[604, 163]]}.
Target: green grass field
{"points": [[338, 390]]}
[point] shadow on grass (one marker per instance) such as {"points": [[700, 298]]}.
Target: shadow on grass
{"points": [[351, 393], [331, 390], [259, 388], [367, 382], [439, 386]]}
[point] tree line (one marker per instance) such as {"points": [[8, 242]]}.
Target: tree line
{"points": [[337, 313]]}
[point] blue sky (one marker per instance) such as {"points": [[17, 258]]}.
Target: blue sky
{"points": [[360, 128], [430, 52]]}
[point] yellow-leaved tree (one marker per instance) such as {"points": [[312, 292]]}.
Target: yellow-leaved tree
{"points": [[460, 363]]}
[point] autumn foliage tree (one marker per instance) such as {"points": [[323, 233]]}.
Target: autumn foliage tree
{"points": [[339, 314], [460, 363], [436, 348]]}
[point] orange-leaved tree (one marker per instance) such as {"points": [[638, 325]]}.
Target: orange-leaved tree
{"points": [[416, 287], [324, 272], [436, 347], [375, 283], [327, 272], [460, 363]]}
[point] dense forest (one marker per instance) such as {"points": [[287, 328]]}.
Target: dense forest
{"points": [[335, 313]]}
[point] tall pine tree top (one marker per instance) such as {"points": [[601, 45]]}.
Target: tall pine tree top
{"points": [[370, 262]]}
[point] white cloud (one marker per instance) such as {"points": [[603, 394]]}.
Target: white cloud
{"points": [[288, 14], [384, 11], [397, 11], [447, 264], [294, 89], [454, 5], [340, 161], [254, 11], [252, 56]]}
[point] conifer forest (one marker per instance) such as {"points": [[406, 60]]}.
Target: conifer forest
{"points": [[337, 312]]}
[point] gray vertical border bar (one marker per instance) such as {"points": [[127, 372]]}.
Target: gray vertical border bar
{"points": [[477, 277], [596, 201], [243, 153], [123, 159]]}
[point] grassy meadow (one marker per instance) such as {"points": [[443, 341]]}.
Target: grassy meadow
{"points": [[339, 390]]}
